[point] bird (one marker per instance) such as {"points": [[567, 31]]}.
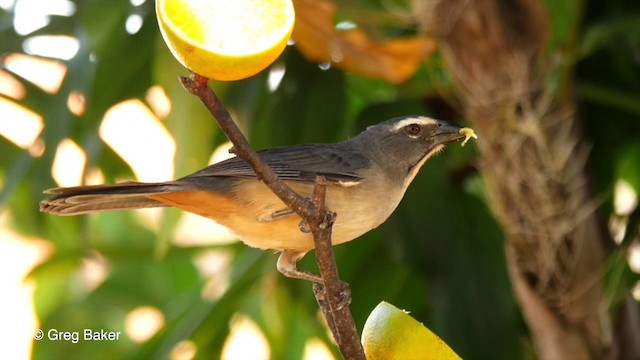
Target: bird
{"points": [[366, 177]]}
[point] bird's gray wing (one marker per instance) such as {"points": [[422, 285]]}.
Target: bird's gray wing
{"points": [[339, 163]]}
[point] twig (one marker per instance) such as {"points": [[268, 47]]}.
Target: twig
{"points": [[197, 85], [333, 297]]}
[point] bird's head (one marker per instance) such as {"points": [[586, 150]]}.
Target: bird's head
{"points": [[401, 146]]}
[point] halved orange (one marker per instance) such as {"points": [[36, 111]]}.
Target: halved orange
{"points": [[226, 39]]}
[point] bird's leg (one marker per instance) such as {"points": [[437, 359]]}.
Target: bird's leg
{"points": [[287, 266]]}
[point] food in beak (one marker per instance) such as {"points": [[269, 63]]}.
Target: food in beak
{"points": [[468, 134]]}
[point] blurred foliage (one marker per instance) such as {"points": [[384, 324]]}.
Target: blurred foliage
{"points": [[440, 255]]}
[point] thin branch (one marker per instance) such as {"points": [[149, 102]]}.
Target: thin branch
{"points": [[333, 297], [198, 86]]}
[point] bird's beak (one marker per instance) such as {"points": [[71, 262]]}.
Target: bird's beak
{"points": [[445, 133]]}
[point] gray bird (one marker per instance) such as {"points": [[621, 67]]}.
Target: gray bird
{"points": [[367, 177]]}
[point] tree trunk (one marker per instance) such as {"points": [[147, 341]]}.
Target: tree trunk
{"points": [[533, 164]]}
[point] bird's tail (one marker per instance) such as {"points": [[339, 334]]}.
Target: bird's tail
{"points": [[88, 199]]}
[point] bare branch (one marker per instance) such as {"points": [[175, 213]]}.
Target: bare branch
{"points": [[197, 85], [333, 297]]}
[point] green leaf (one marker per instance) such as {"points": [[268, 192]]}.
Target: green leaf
{"points": [[627, 167]]}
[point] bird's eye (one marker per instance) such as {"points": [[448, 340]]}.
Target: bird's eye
{"points": [[413, 129]]}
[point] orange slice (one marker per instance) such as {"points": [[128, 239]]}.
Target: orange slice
{"points": [[390, 333], [226, 39]]}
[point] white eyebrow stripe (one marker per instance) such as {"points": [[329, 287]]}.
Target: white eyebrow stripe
{"points": [[414, 120]]}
